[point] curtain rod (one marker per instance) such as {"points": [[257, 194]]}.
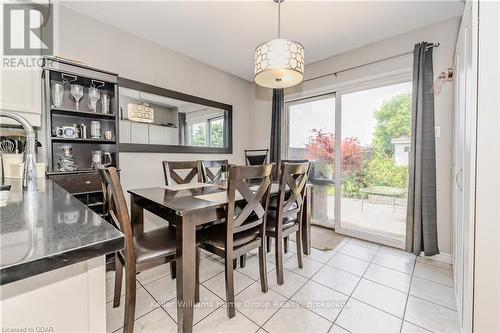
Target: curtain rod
{"points": [[367, 64]]}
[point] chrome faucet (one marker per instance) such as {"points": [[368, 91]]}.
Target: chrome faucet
{"points": [[29, 174]]}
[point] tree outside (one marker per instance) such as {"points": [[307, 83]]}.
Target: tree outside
{"points": [[198, 135], [217, 133], [363, 167]]}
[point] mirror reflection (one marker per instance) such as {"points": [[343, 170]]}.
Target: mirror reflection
{"points": [[146, 118]]}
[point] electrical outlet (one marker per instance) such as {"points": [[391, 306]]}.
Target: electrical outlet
{"points": [[437, 131]]}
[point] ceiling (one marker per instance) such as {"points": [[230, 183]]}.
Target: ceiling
{"points": [[225, 34]]}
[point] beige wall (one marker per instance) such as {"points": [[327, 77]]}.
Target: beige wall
{"points": [[103, 46], [446, 33]]}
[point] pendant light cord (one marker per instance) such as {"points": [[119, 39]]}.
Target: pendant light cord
{"points": [[279, 19]]}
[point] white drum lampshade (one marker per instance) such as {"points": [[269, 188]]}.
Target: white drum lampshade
{"points": [[140, 113], [279, 63]]}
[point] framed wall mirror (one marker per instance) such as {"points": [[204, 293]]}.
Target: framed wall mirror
{"points": [[155, 119]]}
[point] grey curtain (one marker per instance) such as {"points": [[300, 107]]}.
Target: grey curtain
{"points": [[182, 128], [421, 227], [277, 112]]}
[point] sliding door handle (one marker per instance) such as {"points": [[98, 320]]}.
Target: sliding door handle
{"points": [[457, 178]]}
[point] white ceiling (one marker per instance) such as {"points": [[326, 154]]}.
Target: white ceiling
{"points": [[225, 34]]}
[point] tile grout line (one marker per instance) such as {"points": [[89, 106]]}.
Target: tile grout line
{"points": [[425, 329], [157, 302], [289, 299], [426, 279], [224, 301], [357, 284], [443, 306], [308, 279], [160, 277], [408, 296]]}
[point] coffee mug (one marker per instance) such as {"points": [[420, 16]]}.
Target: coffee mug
{"points": [[66, 132], [97, 159], [108, 135]]}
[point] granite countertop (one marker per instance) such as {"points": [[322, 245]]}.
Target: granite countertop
{"points": [[49, 229]]}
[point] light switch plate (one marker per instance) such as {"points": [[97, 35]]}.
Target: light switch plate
{"points": [[437, 131]]}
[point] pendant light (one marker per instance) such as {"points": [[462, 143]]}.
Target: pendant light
{"points": [[279, 63], [141, 112]]}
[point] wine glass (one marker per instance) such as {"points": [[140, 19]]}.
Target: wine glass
{"points": [[94, 96], [77, 93], [57, 95]]}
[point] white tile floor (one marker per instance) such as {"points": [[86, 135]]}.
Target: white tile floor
{"points": [[358, 287]]}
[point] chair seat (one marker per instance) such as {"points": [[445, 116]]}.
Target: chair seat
{"points": [[155, 244], [288, 221], [273, 203], [216, 236]]}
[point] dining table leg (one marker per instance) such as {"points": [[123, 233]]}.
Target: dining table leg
{"points": [[306, 221], [136, 215], [186, 272]]}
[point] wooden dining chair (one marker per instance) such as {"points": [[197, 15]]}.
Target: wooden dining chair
{"points": [[273, 204], [212, 170], [171, 170], [192, 168], [150, 249], [286, 218], [256, 156], [244, 227]]}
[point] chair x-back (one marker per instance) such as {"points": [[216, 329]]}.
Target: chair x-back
{"points": [[244, 227]]}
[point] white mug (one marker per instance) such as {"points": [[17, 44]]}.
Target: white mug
{"points": [[108, 135]]}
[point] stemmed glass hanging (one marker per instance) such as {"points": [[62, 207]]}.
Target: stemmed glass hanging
{"points": [[94, 96], [77, 94]]}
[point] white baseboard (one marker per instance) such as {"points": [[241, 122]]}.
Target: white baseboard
{"points": [[443, 257]]}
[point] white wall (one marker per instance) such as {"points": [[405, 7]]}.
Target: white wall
{"points": [[445, 33], [102, 46], [487, 240]]}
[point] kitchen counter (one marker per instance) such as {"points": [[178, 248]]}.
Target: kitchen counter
{"points": [[49, 229]]}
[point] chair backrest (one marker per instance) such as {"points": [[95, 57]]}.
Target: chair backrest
{"points": [[292, 185], [256, 156], [278, 170], [211, 175], [294, 161], [172, 177], [118, 211], [251, 212]]}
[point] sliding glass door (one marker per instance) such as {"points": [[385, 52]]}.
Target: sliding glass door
{"points": [[375, 131], [310, 134], [358, 142]]}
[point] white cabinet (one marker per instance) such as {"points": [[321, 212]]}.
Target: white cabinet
{"points": [[21, 91], [124, 131], [171, 136], [156, 135], [162, 135], [139, 133], [68, 299], [133, 132]]}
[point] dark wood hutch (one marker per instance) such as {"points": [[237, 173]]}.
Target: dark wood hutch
{"points": [[84, 183]]}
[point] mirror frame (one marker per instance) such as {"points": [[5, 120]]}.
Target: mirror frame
{"points": [[154, 148]]}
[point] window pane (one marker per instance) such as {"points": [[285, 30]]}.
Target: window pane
{"points": [[199, 134], [376, 129], [312, 137], [217, 132]]}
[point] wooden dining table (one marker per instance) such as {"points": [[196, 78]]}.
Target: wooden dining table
{"points": [[188, 206]]}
